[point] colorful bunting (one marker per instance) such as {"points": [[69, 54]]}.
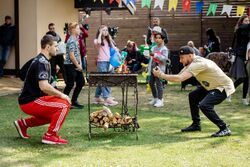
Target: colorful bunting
{"points": [[226, 9], [159, 3], [212, 8], [145, 3], [133, 1], [172, 4], [199, 6], [240, 10], [186, 6]]}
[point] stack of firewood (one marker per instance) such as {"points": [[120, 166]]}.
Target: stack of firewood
{"points": [[105, 118]]}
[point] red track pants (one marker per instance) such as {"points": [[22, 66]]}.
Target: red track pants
{"points": [[46, 109]]}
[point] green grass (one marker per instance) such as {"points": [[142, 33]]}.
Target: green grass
{"points": [[160, 141]]}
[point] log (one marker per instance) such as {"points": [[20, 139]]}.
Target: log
{"points": [[105, 119]]}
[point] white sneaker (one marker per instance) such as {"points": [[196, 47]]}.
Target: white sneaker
{"points": [[110, 102], [153, 101], [229, 99], [159, 103], [245, 102]]}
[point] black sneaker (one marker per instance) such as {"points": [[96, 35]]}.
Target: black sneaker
{"points": [[221, 133], [193, 127], [76, 105]]}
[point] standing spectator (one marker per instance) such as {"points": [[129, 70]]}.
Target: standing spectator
{"points": [[150, 35], [59, 59], [213, 42], [239, 67], [159, 57], [7, 39], [196, 51], [103, 42], [248, 64], [82, 43], [73, 65], [40, 99]]}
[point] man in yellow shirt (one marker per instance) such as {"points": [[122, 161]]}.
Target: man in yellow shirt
{"points": [[215, 87]]}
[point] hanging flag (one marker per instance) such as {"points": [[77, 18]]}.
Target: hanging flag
{"points": [[240, 10], [111, 1], [145, 3], [186, 5], [133, 1], [212, 8], [172, 4], [199, 6], [159, 3], [227, 9]]}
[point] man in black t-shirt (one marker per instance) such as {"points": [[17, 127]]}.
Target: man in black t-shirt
{"points": [[40, 99]]}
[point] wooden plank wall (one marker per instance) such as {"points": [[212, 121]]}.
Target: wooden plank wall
{"points": [[181, 27]]}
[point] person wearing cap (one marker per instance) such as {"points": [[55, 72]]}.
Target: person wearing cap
{"points": [[215, 87], [152, 30]]}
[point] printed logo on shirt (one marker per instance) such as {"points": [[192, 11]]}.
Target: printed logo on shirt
{"points": [[43, 60], [43, 75], [205, 83]]}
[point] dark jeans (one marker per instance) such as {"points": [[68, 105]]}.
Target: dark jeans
{"points": [[205, 100], [4, 54], [156, 86], [245, 82], [57, 60], [71, 76]]}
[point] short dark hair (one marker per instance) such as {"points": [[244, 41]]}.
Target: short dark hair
{"points": [[162, 36], [7, 17], [51, 24], [47, 40]]}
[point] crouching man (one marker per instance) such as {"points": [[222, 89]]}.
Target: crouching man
{"points": [[215, 87], [40, 99]]}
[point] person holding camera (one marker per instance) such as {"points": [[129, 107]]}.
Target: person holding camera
{"points": [[211, 92]]}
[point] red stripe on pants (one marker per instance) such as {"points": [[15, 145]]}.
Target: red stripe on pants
{"points": [[46, 109]]}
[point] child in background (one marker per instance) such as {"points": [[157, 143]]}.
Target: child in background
{"points": [[103, 42], [73, 66], [159, 56]]}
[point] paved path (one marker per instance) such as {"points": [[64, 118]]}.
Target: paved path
{"points": [[12, 85]]}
